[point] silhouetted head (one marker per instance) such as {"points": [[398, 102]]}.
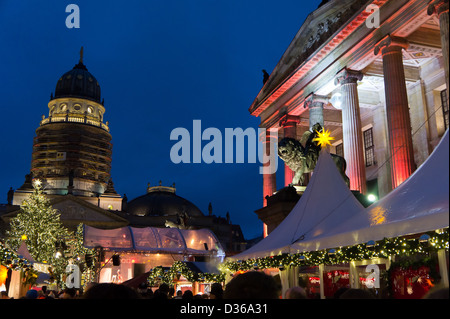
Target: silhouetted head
{"points": [[110, 291], [252, 285]]}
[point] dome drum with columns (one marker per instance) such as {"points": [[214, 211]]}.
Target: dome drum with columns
{"points": [[77, 109]]}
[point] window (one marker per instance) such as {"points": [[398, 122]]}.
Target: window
{"points": [[340, 150], [369, 148], [60, 156], [445, 108]]}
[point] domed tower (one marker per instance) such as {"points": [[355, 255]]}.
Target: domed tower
{"points": [[72, 149], [161, 201]]}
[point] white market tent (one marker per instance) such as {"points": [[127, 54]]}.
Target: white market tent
{"points": [[153, 240], [24, 253], [326, 203], [419, 204], [326, 216]]}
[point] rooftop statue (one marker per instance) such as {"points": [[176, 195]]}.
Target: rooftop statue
{"points": [[181, 223], [10, 196], [303, 159]]}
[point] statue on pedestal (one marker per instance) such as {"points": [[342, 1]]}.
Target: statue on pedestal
{"points": [[303, 159]]}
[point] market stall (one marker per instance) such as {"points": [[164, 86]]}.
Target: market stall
{"points": [[327, 227], [187, 275], [128, 252], [17, 271]]}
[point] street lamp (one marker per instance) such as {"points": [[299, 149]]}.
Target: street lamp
{"points": [[336, 100], [60, 246]]}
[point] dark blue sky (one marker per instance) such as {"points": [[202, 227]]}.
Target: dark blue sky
{"points": [[160, 64]]}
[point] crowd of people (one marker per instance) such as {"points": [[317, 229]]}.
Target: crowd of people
{"points": [[118, 291], [250, 285]]}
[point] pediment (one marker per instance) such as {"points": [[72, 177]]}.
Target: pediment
{"points": [[318, 27], [74, 211]]}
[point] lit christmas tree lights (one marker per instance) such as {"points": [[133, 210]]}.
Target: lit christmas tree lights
{"points": [[39, 225]]}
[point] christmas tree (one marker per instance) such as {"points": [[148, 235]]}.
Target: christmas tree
{"points": [[39, 224]]}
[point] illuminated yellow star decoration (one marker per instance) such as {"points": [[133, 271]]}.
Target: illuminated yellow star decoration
{"points": [[323, 138], [37, 182]]}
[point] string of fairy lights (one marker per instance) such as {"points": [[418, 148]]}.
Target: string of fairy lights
{"points": [[178, 269], [418, 244], [424, 244], [399, 246]]}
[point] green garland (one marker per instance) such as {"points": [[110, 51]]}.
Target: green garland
{"points": [[158, 274], [400, 246]]}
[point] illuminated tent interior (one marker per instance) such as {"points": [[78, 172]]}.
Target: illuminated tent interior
{"points": [[154, 240], [143, 249]]}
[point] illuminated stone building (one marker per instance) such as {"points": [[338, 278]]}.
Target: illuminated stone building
{"points": [[72, 156], [376, 74]]}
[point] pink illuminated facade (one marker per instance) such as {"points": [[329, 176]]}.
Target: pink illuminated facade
{"points": [[375, 74]]}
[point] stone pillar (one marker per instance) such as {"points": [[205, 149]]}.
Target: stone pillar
{"points": [[351, 129], [289, 125], [397, 112], [315, 104], [380, 139], [440, 8], [269, 180], [418, 114]]}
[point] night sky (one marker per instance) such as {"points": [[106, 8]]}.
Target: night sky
{"points": [[161, 65]]}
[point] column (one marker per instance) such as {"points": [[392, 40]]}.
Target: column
{"points": [[289, 125], [353, 275], [380, 138], [352, 129], [397, 112], [418, 113], [443, 268], [269, 180], [315, 104], [322, 284], [440, 8]]}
